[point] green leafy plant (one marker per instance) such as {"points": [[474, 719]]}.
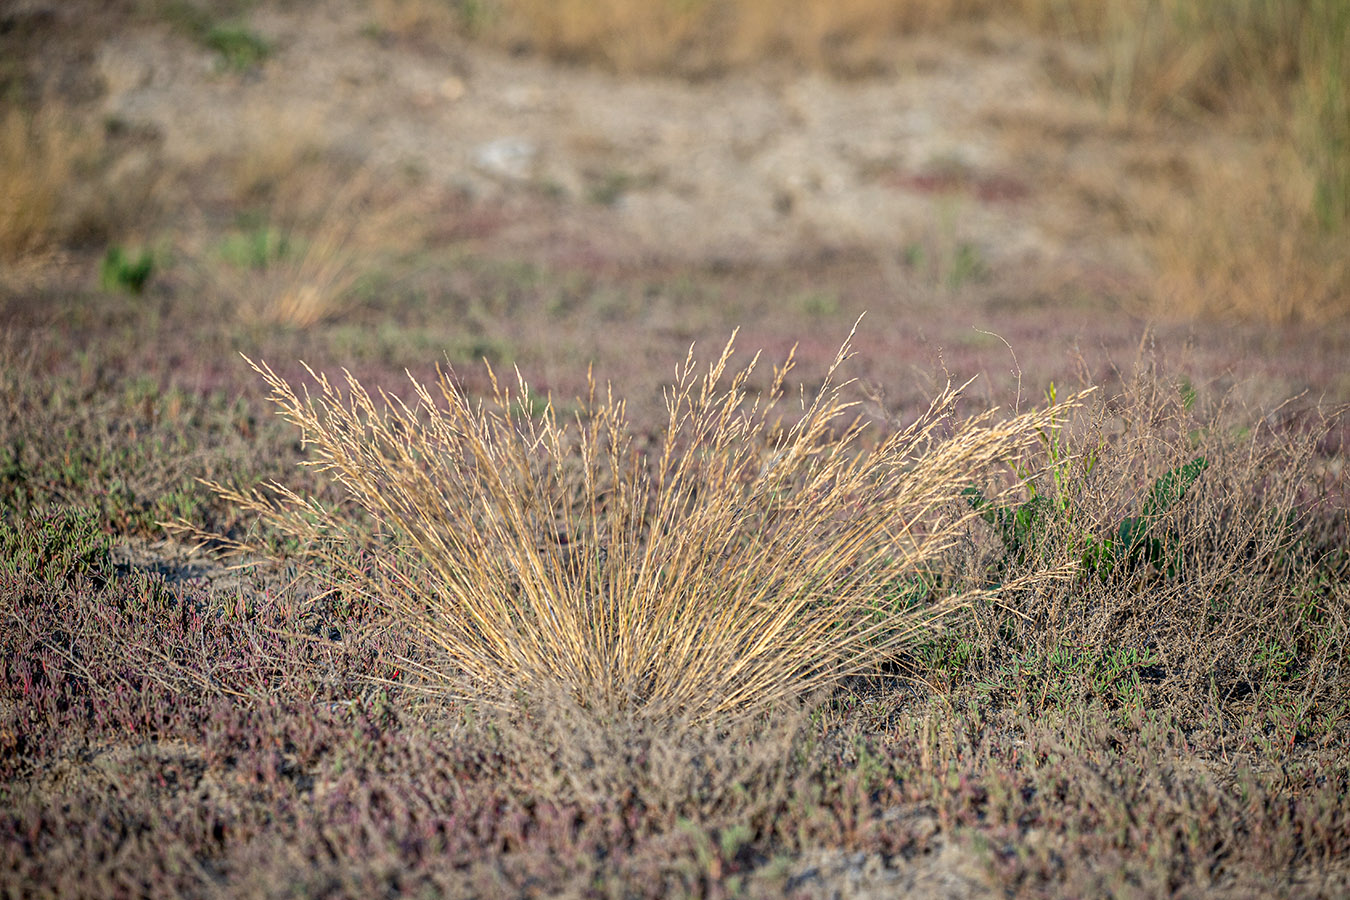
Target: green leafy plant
{"points": [[609, 187], [966, 266], [121, 271], [60, 543], [239, 47], [1137, 541], [1024, 527], [257, 247]]}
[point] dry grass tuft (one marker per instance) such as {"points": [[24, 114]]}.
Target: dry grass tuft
{"points": [[1241, 245], [1184, 55], [750, 554], [298, 265], [38, 156]]}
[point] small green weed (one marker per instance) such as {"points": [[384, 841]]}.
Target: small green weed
{"points": [[914, 255], [121, 271], [818, 304], [609, 187], [1065, 675], [240, 48], [966, 266], [1135, 543], [532, 407], [947, 263], [257, 247], [944, 659], [476, 16]]}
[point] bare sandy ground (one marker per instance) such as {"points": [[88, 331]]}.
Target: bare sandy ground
{"points": [[971, 143]]}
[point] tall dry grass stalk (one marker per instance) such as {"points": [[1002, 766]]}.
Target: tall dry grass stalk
{"points": [[754, 552]]}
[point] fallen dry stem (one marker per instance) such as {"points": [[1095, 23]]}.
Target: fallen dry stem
{"points": [[759, 552]]}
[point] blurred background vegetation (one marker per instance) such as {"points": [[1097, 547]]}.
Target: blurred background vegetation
{"points": [[1261, 236], [1280, 64]]}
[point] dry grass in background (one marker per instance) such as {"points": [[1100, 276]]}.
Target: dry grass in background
{"points": [[277, 150], [1262, 238], [753, 555], [60, 187], [297, 261], [39, 153], [1235, 243], [1259, 238]]}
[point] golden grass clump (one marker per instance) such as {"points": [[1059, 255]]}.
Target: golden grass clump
{"points": [[1242, 246], [38, 156], [749, 555]]}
